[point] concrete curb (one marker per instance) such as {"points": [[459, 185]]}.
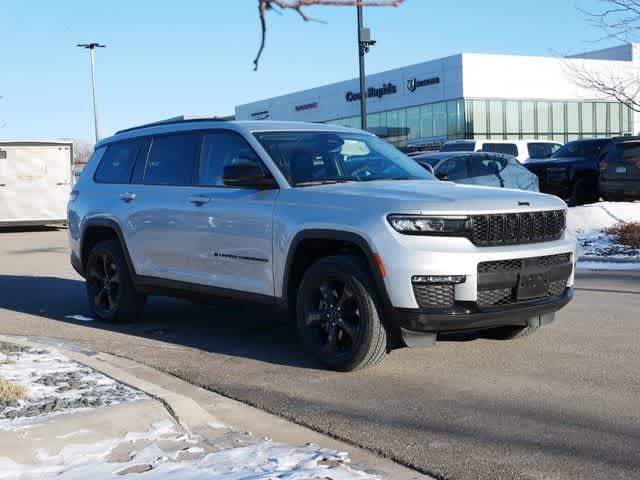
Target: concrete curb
{"points": [[192, 406]]}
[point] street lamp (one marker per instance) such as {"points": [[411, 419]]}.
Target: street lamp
{"points": [[364, 42], [91, 47]]}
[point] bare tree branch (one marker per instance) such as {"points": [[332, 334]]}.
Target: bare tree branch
{"points": [[298, 6], [618, 19]]}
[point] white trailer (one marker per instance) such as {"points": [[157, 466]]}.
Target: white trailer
{"points": [[35, 182]]}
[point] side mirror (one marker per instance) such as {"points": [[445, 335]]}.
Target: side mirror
{"points": [[441, 176], [247, 175]]}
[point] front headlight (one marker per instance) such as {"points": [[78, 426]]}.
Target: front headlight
{"points": [[425, 225]]}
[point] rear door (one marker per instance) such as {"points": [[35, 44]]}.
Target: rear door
{"points": [[453, 169], [485, 170], [35, 181]]}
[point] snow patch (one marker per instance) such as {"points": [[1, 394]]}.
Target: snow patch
{"points": [[211, 459], [79, 318]]}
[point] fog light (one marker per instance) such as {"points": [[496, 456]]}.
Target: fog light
{"points": [[439, 279]]}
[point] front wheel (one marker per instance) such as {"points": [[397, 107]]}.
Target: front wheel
{"points": [[338, 316], [110, 290]]}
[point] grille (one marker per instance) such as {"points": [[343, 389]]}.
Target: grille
{"points": [[517, 264], [515, 228], [433, 295]]}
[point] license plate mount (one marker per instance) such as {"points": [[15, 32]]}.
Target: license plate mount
{"points": [[532, 285]]}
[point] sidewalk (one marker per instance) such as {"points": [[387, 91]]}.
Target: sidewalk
{"points": [[93, 414]]}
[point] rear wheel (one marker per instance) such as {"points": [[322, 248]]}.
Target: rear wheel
{"points": [[585, 190], [337, 314], [110, 290]]}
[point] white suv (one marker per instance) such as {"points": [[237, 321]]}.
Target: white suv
{"points": [[363, 245]]}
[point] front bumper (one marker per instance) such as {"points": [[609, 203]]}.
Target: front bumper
{"points": [[469, 316]]}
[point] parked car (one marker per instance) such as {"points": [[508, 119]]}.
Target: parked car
{"points": [[523, 150], [620, 170], [572, 172], [364, 247], [479, 168], [35, 181]]}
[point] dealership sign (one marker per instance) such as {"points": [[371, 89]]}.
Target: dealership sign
{"points": [[372, 92], [414, 83], [306, 106]]}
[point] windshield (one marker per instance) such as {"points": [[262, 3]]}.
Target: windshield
{"points": [[309, 158], [580, 149]]}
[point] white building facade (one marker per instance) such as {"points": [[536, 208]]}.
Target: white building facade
{"points": [[471, 96]]}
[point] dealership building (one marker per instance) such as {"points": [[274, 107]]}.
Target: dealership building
{"points": [[472, 95]]}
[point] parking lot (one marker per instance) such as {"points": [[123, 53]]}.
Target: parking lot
{"points": [[561, 404]]}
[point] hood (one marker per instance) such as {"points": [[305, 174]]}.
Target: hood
{"points": [[433, 196]]}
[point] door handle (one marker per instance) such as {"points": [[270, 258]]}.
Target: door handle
{"points": [[127, 197], [199, 200]]}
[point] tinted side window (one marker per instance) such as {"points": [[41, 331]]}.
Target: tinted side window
{"points": [[458, 147], [505, 148], [541, 150], [453, 169], [117, 162], [219, 150], [630, 152], [172, 159], [489, 165]]}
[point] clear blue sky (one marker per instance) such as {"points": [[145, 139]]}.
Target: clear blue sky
{"points": [[166, 57]]}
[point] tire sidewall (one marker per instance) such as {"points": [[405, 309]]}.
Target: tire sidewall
{"points": [[346, 270]]}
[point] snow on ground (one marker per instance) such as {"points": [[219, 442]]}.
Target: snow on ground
{"points": [[163, 453], [55, 384], [586, 223]]}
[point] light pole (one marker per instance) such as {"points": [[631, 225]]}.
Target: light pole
{"points": [[91, 47], [364, 42]]}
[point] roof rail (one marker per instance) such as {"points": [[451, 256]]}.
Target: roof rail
{"points": [[178, 119]]}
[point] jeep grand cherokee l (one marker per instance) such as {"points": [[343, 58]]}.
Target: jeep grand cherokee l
{"points": [[363, 245]]}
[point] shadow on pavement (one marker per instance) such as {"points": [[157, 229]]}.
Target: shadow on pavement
{"points": [[244, 330]]}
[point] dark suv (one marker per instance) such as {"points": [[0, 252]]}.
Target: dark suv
{"points": [[620, 170], [572, 172]]}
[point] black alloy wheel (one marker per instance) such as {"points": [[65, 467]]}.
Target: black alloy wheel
{"points": [[103, 283], [111, 293], [338, 314]]}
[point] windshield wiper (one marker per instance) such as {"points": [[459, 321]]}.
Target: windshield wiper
{"points": [[331, 181]]}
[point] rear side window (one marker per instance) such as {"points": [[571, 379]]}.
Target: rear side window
{"points": [[542, 150], [172, 159], [487, 166], [630, 152], [117, 162], [458, 147], [220, 150], [504, 148]]}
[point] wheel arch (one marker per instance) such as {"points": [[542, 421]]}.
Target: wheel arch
{"points": [[330, 242], [97, 229]]}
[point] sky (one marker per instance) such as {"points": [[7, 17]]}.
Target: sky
{"points": [[167, 57]]}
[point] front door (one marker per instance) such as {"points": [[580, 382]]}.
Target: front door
{"points": [[232, 242]]}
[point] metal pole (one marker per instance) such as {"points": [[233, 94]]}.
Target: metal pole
{"points": [[363, 86], [93, 84]]}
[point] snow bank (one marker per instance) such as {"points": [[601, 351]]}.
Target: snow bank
{"points": [[586, 223]]}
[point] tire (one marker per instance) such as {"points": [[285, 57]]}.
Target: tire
{"points": [[338, 315], [110, 291], [585, 190], [509, 333]]}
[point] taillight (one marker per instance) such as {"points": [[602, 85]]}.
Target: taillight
{"points": [[637, 163], [604, 165]]}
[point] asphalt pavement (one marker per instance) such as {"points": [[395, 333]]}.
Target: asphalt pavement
{"points": [[564, 403]]}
